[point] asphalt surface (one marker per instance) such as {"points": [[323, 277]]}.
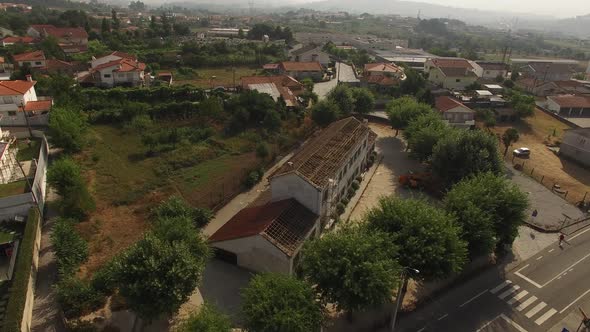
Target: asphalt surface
{"points": [[533, 296]]}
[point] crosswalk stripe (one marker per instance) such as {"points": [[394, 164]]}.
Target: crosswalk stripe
{"points": [[518, 297], [545, 316], [511, 290], [536, 309], [500, 286], [526, 303]]}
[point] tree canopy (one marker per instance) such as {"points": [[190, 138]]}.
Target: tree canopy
{"points": [[465, 153], [206, 319], [489, 208], [510, 136], [276, 302], [342, 96], [325, 112], [524, 105], [362, 274], [175, 207], [70, 248], [364, 101], [423, 133], [427, 237], [402, 110], [67, 129]]}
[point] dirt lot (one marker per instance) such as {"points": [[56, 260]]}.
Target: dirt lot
{"points": [[534, 133]]}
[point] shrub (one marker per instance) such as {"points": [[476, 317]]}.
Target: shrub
{"points": [[345, 201], [351, 191], [77, 297], [176, 207], [22, 271], [340, 208], [355, 185], [359, 179], [70, 249], [254, 177], [104, 280], [262, 150]]}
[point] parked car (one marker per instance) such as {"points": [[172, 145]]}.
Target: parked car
{"points": [[522, 152]]}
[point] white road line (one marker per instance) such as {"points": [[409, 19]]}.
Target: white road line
{"points": [[518, 297], [545, 316], [486, 324], [500, 286], [526, 303], [575, 236], [569, 267], [526, 278], [576, 300], [539, 257], [443, 316], [512, 289], [422, 329], [551, 250], [473, 298], [536, 309], [513, 323]]}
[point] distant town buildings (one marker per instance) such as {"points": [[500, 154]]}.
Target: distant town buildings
{"points": [[280, 86], [115, 69], [301, 70], [450, 73]]}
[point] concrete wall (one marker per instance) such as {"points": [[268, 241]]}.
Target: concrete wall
{"points": [[576, 147], [18, 120], [293, 186], [30, 300], [257, 254]]}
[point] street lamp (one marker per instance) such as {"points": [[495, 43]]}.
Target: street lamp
{"points": [[401, 292]]}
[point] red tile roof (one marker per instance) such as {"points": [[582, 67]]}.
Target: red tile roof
{"points": [[271, 66], [382, 68], [381, 80], [30, 56], [39, 105], [40, 27], [300, 66], [128, 65], [66, 32], [11, 88], [571, 101], [284, 223], [445, 103], [452, 63], [54, 64], [493, 65], [14, 40]]}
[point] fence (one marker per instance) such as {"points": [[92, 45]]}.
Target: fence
{"points": [[578, 198]]}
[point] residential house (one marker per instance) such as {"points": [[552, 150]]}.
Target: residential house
{"points": [[455, 113], [115, 69], [70, 40], [5, 69], [20, 106], [548, 71], [301, 70], [165, 76], [310, 53], [576, 145], [276, 86], [569, 105], [266, 238], [450, 73], [382, 75], [34, 59], [491, 70], [5, 32], [547, 88], [6, 41], [304, 193]]}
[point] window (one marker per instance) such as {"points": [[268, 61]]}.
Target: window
{"points": [[38, 63], [7, 100], [11, 113], [458, 80], [107, 75]]}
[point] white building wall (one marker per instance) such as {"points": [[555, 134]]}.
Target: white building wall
{"points": [[257, 254], [109, 79], [293, 186], [351, 169], [312, 56], [553, 106], [33, 63], [103, 60], [451, 82], [576, 146], [30, 95]]}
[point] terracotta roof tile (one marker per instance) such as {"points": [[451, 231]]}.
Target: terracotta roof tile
{"points": [[66, 32], [444, 103], [382, 67], [30, 56], [300, 66], [571, 101], [14, 40], [452, 63], [39, 105], [11, 88]]}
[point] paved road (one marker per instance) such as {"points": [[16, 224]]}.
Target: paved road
{"points": [[533, 296], [344, 73]]}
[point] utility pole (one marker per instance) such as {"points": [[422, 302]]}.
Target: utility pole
{"points": [[403, 286]]}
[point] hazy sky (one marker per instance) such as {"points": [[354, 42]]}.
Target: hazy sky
{"points": [[561, 8]]}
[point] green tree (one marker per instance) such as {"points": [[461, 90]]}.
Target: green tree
{"points": [[116, 23], [50, 46], [77, 297], [360, 276], [413, 83], [61, 87], [427, 237], [275, 302], [175, 207], [465, 153], [308, 83], [489, 208], [241, 34], [524, 105], [364, 102], [402, 110], [63, 174], [156, 277], [67, 129], [71, 249], [342, 96], [510, 136], [325, 112], [423, 133], [105, 27], [207, 318]]}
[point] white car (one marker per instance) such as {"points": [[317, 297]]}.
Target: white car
{"points": [[522, 152]]}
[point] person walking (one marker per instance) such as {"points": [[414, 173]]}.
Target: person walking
{"points": [[562, 240]]}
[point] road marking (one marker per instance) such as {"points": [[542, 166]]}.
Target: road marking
{"points": [[582, 232], [443, 316], [539, 257], [513, 323], [551, 250], [526, 278], [569, 267], [500, 286], [511, 290], [576, 300], [473, 298], [518, 297], [536, 309], [571, 270], [526, 303], [486, 324], [422, 329], [545, 316]]}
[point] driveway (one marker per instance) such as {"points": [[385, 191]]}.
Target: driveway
{"points": [[322, 89]]}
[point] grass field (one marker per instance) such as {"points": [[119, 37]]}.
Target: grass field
{"points": [[223, 77], [13, 188], [28, 151]]}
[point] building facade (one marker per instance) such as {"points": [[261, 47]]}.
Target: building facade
{"points": [[450, 73], [310, 53], [569, 105], [302, 70], [576, 145], [19, 105], [455, 113]]}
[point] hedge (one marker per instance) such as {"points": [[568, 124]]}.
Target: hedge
{"points": [[22, 273]]}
